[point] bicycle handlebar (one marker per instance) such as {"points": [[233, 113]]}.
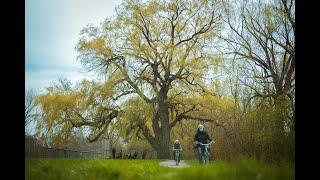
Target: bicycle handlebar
{"points": [[205, 144]]}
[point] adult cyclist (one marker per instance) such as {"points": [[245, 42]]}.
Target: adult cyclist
{"points": [[202, 137]]}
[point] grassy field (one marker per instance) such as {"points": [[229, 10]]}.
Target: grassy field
{"points": [[150, 169]]}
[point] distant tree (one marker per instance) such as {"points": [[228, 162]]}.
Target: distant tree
{"points": [[30, 107], [261, 36]]}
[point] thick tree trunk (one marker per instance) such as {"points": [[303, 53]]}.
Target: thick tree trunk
{"points": [[161, 141], [164, 130], [164, 142], [163, 150]]}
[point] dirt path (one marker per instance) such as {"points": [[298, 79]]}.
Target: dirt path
{"points": [[172, 164]]}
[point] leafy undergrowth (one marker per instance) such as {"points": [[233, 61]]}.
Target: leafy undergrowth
{"points": [[150, 169]]}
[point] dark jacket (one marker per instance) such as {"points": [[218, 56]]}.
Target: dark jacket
{"points": [[177, 146], [202, 136]]}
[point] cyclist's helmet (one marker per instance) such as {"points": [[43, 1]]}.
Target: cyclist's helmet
{"points": [[200, 127], [176, 141]]}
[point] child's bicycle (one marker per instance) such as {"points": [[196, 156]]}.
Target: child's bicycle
{"points": [[177, 156]]}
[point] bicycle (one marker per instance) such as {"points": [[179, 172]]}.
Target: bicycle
{"points": [[205, 156], [177, 156]]}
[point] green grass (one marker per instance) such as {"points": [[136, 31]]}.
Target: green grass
{"points": [[149, 169]]}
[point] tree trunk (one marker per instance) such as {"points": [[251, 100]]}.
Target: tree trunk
{"points": [[164, 142], [279, 134], [163, 150], [161, 140], [164, 132]]}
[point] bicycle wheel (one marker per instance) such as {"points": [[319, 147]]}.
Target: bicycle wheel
{"points": [[176, 159], [203, 159], [207, 159]]}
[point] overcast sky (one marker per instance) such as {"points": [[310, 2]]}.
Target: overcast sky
{"points": [[52, 30]]}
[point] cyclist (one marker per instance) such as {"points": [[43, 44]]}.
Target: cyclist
{"points": [[177, 145], [202, 137]]}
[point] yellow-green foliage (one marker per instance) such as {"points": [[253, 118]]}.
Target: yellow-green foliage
{"points": [[126, 35], [134, 111], [97, 44], [209, 107], [63, 107], [251, 131], [54, 106]]}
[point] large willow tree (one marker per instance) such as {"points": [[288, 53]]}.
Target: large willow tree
{"points": [[158, 51]]}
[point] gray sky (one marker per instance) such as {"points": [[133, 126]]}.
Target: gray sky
{"points": [[52, 30]]}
